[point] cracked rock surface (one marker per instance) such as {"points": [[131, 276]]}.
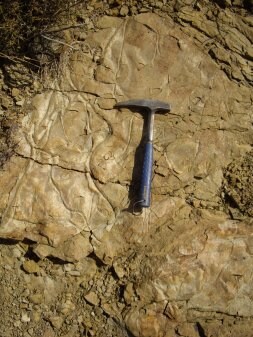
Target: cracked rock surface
{"points": [[71, 186]]}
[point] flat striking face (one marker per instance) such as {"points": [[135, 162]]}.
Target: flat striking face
{"points": [[149, 104]]}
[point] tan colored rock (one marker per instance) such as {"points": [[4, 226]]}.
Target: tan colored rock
{"points": [[106, 103], [124, 10], [61, 156], [87, 268], [92, 298], [109, 22], [31, 267], [5, 102], [129, 293], [73, 249], [56, 321], [118, 270], [232, 35], [188, 330], [25, 317], [71, 186], [49, 332], [15, 92], [36, 316], [67, 306], [43, 285], [36, 298], [149, 324]]}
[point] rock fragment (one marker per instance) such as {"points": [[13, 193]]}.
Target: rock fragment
{"points": [[5, 102], [15, 92], [36, 298], [92, 298], [106, 103], [159, 4], [129, 293], [187, 329], [49, 332], [25, 317], [56, 321], [124, 10], [31, 267]]}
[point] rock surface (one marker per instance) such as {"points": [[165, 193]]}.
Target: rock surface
{"points": [[72, 184]]}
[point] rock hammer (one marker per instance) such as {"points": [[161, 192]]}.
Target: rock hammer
{"points": [[151, 106]]}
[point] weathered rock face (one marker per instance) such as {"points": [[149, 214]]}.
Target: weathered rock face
{"points": [[225, 34], [78, 161], [238, 185]]}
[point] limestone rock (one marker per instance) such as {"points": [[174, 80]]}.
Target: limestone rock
{"points": [[124, 10], [31, 267], [56, 321], [72, 186], [109, 22], [73, 249], [36, 298], [92, 298]]}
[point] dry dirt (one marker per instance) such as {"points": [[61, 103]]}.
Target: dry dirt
{"points": [[131, 292]]}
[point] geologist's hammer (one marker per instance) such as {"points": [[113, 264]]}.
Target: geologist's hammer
{"points": [[151, 106]]}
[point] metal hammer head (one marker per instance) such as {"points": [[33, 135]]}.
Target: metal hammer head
{"points": [[149, 104]]}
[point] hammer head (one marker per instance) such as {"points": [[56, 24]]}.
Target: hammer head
{"points": [[148, 104]]}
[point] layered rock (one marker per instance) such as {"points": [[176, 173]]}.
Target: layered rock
{"points": [[73, 182]]}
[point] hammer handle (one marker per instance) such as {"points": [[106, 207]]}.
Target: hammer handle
{"points": [[145, 188]]}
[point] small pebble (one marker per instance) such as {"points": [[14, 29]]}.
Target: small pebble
{"points": [[36, 298], [17, 324], [31, 267], [36, 316], [5, 102], [119, 270], [159, 4], [20, 102], [90, 25], [15, 92], [56, 321], [30, 331], [23, 305], [68, 267], [16, 252], [134, 10], [92, 298], [124, 10], [25, 318]]}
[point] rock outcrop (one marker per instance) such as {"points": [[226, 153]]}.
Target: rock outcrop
{"points": [[71, 186]]}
